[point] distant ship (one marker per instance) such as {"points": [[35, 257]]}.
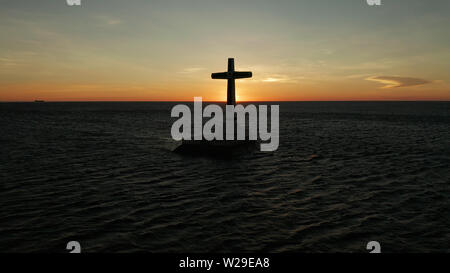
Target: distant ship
{"points": [[39, 101]]}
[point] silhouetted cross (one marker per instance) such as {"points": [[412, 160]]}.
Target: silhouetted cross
{"points": [[231, 75]]}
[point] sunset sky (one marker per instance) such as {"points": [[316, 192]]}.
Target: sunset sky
{"points": [[166, 50]]}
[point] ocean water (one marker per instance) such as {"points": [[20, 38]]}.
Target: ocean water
{"points": [[345, 173]]}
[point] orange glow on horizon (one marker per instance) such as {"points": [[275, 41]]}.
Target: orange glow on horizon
{"points": [[257, 93]]}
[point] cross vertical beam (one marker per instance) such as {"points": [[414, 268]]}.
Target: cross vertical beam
{"points": [[231, 86], [231, 75]]}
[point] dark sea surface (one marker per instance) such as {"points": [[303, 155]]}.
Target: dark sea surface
{"points": [[345, 173]]}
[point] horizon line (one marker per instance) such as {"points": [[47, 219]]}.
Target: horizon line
{"points": [[221, 101]]}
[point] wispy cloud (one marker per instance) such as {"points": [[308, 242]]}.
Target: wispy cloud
{"points": [[113, 22], [109, 21], [10, 62], [272, 80], [395, 82], [190, 70], [281, 78]]}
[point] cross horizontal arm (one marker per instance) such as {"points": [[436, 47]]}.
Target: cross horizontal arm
{"points": [[243, 74], [222, 75]]}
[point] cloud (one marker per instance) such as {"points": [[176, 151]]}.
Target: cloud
{"points": [[190, 70], [113, 22], [108, 20], [395, 82], [281, 78], [272, 80]]}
